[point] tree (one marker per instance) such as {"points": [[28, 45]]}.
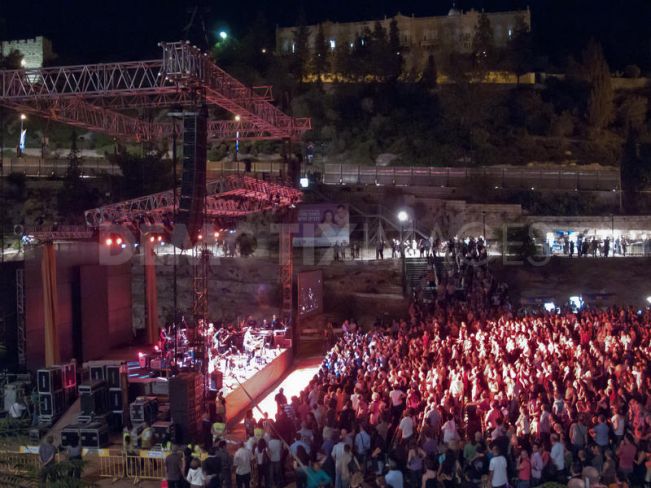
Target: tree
{"points": [[483, 44], [633, 174], [396, 58], [379, 52], [11, 60], [301, 54], [428, 77], [342, 61], [75, 196], [520, 51], [597, 74], [320, 56], [140, 175]]}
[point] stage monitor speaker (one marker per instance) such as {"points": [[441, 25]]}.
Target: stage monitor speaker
{"points": [[113, 376], [193, 178]]}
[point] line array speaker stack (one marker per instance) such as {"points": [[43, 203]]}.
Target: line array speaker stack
{"points": [[186, 404], [193, 179]]}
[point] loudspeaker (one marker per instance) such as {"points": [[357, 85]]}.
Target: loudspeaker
{"points": [[49, 380], [113, 376], [115, 399], [193, 179], [97, 373], [93, 403], [94, 435], [51, 404], [70, 435]]}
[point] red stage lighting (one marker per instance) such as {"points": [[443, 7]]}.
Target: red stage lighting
{"points": [[118, 241], [160, 238], [199, 237], [152, 239], [109, 241]]}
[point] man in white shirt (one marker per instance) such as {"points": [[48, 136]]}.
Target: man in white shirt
{"points": [[397, 397], [557, 456], [497, 469], [275, 450], [242, 462], [406, 426]]}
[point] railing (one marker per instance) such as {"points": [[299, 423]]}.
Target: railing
{"points": [[46, 168], [498, 178]]}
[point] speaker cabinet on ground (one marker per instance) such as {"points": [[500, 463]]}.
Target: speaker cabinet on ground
{"points": [[49, 380]]}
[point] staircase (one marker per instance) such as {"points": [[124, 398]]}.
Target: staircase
{"points": [[419, 275]]}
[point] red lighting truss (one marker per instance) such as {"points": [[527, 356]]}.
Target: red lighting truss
{"points": [[91, 96]]}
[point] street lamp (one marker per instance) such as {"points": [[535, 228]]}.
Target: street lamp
{"points": [[403, 216], [237, 136]]}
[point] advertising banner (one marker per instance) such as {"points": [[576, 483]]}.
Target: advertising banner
{"points": [[322, 225]]}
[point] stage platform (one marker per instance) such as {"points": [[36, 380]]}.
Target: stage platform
{"points": [[245, 382], [241, 397]]}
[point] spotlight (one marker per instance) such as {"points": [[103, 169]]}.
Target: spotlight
{"points": [[118, 241], [152, 238], [550, 306], [199, 237], [109, 241], [216, 234], [648, 300], [305, 182], [123, 246], [160, 238], [576, 303]]}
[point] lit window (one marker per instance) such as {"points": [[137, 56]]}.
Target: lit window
{"points": [[332, 44]]}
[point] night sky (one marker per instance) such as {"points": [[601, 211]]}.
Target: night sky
{"points": [[106, 30]]}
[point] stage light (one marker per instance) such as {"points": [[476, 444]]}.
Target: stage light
{"points": [[216, 234], [199, 237], [305, 182], [403, 216], [648, 300], [118, 241], [109, 241], [123, 246], [152, 238], [550, 306], [576, 303], [23, 116], [237, 118], [223, 35], [160, 238]]}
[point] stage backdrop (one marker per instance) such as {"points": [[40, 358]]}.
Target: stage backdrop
{"points": [[322, 225], [310, 293], [94, 304]]}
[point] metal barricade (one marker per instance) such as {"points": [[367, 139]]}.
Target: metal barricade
{"points": [[112, 466], [19, 462], [145, 468]]}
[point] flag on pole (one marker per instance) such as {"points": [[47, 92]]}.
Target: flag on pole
{"points": [[23, 134]]}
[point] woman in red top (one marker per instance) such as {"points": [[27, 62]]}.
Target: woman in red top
{"points": [[524, 469]]}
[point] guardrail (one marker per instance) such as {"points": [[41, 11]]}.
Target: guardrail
{"points": [[46, 168], [499, 178], [147, 465]]}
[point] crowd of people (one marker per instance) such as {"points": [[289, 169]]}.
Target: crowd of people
{"points": [[457, 397]]}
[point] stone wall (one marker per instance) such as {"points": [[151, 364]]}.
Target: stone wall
{"points": [[251, 286]]}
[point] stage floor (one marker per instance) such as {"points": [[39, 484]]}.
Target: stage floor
{"points": [[242, 396]]}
